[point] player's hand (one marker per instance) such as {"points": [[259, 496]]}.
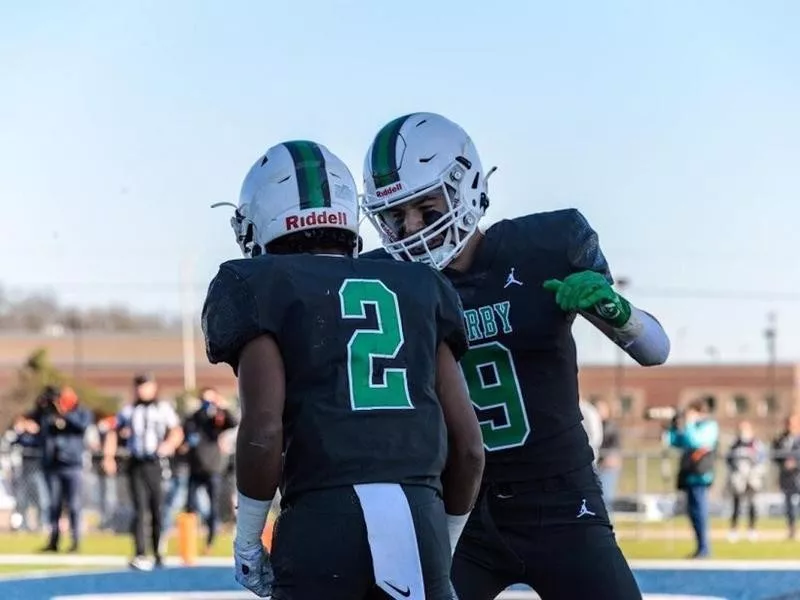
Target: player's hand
{"points": [[589, 290], [253, 569]]}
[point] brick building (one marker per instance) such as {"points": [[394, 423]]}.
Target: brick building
{"points": [[108, 361], [758, 393]]}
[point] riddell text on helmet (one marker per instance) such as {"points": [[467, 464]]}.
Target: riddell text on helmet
{"points": [[389, 190], [316, 218]]}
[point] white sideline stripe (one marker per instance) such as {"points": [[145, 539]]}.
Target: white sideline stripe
{"points": [[514, 595], [716, 565], [205, 561], [100, 560], [45, 574]]}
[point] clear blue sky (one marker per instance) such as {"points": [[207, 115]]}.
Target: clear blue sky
{"points": [[674, 126]]}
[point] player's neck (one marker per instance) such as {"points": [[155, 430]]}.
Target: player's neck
{"points": [[464, 260], [328, 251]]}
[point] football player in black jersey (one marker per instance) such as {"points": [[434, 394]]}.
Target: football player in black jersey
{"points": [[350, 392], [540, 518]]}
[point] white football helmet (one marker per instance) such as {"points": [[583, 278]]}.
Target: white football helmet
{"points": [[295, 186], [418, 155]]}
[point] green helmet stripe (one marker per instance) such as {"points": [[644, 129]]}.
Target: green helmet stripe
{"points": [[384, 154], [312, 177]]}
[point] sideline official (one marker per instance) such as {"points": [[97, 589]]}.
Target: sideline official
{"points": [[151, 430]]}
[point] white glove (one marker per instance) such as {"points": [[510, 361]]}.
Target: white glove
{"points": [[253, 569], [251, 559]]}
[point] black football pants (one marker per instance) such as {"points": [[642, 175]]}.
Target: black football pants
{"points": [[553, 535], [147, 495], [320, 548]]}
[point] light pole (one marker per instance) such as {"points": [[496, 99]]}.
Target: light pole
{"points": [[713, 353], [770, 335], [75, 324]]}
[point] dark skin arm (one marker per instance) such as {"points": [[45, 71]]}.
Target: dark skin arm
{"points": [[461, 478], [259, 442]]}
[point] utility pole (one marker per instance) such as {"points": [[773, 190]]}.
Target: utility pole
{"points": [[770, 335], [713, 353], [621, 284], [75, 325]]}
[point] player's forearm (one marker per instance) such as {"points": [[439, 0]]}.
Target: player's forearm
{"points": [[642, 337], [461, 479], [258, 458]]}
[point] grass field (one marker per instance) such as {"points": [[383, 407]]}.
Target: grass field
{"points": [[720, 549], [663, 540], [94, 544], [680, 523]]}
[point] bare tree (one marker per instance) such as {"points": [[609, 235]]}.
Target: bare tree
{"points": [[37, 312]]}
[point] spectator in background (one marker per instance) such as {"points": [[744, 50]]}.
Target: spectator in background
{"points": [[30, 487], [747, 459], [227, 442], [107, 482], [62, 422], [592, 425], [609, 465], [787, 456], [696, 434], [202, 432], [153, 432], [177, 493]]}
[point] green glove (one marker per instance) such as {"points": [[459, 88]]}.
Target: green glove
{"points": [[589, 291]]}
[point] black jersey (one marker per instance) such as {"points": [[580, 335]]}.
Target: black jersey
{"points": [[521, 367], [359, 341]]}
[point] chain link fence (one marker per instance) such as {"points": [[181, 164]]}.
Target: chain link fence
{"points": [[644, 490], [106, 501]]}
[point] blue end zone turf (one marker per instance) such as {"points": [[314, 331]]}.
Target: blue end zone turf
{"points": [[667, 581]]}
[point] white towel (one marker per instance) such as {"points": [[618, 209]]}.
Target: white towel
{"points": [[392, 540]]}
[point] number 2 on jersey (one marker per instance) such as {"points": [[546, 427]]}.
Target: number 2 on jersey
{"points": [[493, 386], [366, 345]]}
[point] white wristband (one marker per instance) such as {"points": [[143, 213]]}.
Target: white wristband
{"points": [[455, 525], [251, 518]]}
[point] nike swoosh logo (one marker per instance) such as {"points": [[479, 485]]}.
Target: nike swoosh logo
{"points": [[405, 593]]}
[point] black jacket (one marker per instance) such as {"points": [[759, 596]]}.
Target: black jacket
{"points": [[62, 436], [202, 431]]}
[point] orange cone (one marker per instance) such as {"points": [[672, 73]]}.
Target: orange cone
{"points": [[187, 537], [266, 537]]}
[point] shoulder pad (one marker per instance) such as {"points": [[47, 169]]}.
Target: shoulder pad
{"points": [[230, 315], [378, 253], [583, 246], [564, 231], [450, 316]]}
